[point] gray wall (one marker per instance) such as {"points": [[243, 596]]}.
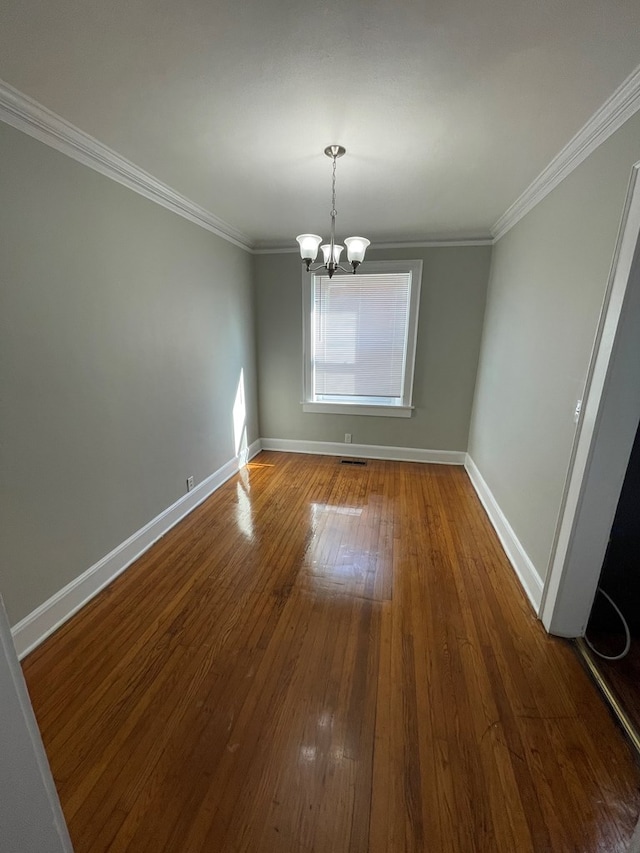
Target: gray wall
{"points": [[452, 304], [547, 284], [123, 333]]}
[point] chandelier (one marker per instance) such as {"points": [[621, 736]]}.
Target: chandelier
{"points": [[356, 246]]}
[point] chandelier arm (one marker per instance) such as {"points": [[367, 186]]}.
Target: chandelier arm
{"points": [[325, 267]]}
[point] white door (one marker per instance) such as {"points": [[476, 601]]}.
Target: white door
{"points": [[607, 428]]}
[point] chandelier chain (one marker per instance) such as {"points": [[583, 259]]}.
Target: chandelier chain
{"points": [[333, 189]]}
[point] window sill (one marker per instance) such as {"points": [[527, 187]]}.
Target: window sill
{"points": [[359, 409]]}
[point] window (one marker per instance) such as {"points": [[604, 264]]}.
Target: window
{"points": [[360, 339]]}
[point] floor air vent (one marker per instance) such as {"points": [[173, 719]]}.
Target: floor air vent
{"points": [[352, 462]]}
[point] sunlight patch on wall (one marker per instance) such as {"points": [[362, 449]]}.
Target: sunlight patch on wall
{"points": [[240, 422]]}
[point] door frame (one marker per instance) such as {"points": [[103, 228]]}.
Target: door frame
{"points": [[30, 814], [604, 437]]}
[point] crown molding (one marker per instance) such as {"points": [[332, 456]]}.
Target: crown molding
{"points": [[27, 115], [441, 242], [421, 244], [624, 102]]}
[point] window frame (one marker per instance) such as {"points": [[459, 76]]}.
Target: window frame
{"points": [[405, 409]]}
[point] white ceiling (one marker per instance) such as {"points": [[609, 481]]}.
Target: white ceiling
{"points": [[448, 108]]}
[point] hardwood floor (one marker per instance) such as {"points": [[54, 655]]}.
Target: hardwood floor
{"points": [[328, 658]]}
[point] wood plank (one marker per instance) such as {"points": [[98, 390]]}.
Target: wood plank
{"points": [[335, 659]]}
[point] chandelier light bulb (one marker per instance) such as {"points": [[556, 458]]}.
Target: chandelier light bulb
{"points": [[356, 247], [326, 253], [309, 246]]}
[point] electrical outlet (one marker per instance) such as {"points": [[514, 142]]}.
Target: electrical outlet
{"points": [[189, 484], [347, 438], [576, 414]]}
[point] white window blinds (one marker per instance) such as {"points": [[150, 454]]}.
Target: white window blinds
{"points": [[360, 326]]}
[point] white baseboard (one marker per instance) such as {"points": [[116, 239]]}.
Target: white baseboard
{"points": [[365, 451], [525, 570], [44, 620]]}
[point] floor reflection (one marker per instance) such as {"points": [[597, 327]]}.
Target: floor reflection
{"points": [[244, 509], [349, 548]]}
